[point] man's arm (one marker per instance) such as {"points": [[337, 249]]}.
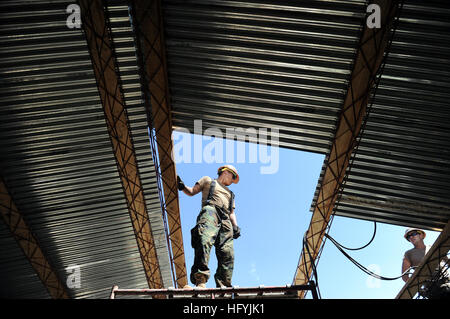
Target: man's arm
{"points": [[236, 228], [191, 191], [233, 218], [405, 265]]}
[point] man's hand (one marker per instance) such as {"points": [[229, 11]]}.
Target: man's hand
{"points": [[180, 183], [405, 266], [236, 232]]}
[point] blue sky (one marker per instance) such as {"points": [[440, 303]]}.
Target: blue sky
{"points": [[273, 211]]}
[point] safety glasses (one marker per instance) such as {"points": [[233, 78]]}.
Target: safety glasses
{"points": [[414, 233]]}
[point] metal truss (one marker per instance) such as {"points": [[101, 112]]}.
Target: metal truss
{"points": [[433, 268], [147, 23], [368, 64], [213, 293], [25, 238], [101, 47]]}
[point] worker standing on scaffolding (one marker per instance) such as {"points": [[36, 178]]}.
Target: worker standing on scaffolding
{"points": [[216, 225]]}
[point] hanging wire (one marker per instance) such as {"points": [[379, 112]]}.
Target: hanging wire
{"points": [[359, 248], [368, 111], [364, 269]]}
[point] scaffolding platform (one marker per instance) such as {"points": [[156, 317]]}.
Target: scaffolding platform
{"points": [[260, 292]]}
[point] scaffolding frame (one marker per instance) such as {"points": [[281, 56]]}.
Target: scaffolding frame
{"points": [[213, 293]]}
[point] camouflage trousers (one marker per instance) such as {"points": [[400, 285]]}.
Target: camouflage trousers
{"points": [[211, 230]]}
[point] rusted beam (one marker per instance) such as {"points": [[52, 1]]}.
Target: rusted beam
{"points": [[428, 266], [20, 230], [101, 48], [148, 27], [366, 66]]}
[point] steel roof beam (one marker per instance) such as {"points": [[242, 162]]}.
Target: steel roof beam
{"points": [[101, 47], [366, 67], [148, 26], [25, 238]]}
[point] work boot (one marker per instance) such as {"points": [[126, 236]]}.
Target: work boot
{"points": [[200, 281], [222, 283]]}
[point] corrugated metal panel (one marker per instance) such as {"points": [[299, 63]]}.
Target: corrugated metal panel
{"points": [[56, 154], [17, 278], [401, 171], [127, 62], [231, 64], [262, 64]]}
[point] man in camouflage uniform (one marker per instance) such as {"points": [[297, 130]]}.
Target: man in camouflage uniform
{"points": [[216, 225]]}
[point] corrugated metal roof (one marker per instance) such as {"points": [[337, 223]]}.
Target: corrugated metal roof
{"points": [[401, 173], [249, 64], [129, 73], [265, 64], [56, 154], [18, 277], [262, 64]]}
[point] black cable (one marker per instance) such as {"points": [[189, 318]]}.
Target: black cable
{"points": [[305, 245], [371, 240], [364, 269]]}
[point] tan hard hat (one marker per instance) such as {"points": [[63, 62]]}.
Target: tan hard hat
{"points": [[414, 229], [229, 168]]}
